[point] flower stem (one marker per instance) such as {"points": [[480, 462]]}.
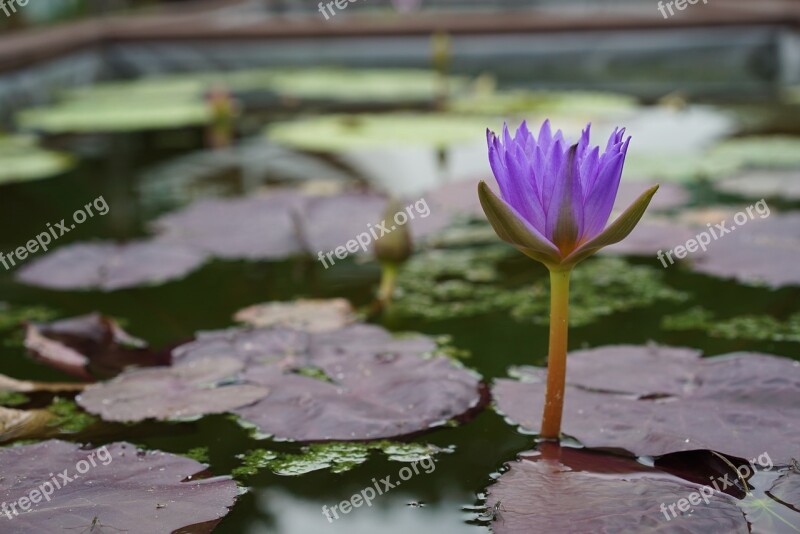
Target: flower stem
{"points": [[388, 279], [557, 354]]}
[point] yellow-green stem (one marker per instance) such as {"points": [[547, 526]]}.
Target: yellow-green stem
{"points": [[557, 354], [388, 278]]}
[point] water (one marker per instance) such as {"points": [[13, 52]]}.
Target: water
{"points": [[208, 298]]}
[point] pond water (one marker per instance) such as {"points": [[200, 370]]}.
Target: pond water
{"points": [[443, 500]]}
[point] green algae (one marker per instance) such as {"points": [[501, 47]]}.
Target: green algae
{"points": [[199, 454], [13, 398], [457, 283], [13, 316], [68, 417], [334, 457], [749, 327]]}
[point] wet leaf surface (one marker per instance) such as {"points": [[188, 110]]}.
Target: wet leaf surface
{"points": [[573, 490], [787, 488], [305, 315], [88, 346], [371, 385], [186, 390], [656, 400], [123, 489], [109, 266]]}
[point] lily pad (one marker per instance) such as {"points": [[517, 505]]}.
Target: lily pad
{"points": [[757, 184], [89, 345], [129, 112], [769, 152], [652, 401], [762, 252], [109, 266], [787, 488], [564, 103], [24, 160], [183, 391], [115, 487], [373, 385], [305, 315], [574, 490], [339, 133]]}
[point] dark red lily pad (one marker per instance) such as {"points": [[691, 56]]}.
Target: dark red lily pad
{"points": [[740, 404], [123, 490], [88, 346], [669, 195], [577, 491], [763, 251], [787, 488], [254, 228], [109, 266], [187, 390], [652, 235], [357, 383]]}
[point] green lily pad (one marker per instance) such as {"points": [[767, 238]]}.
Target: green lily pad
{"points": [[751, 327], [126, 113], [347, 85], [23, 160], [768, 152], [338, 133], [565, 103]]}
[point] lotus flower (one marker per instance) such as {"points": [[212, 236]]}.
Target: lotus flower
{"points": [[555, 205], [557, 198]]}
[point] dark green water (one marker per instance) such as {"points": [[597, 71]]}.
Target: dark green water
{"points": [[208, 298]]}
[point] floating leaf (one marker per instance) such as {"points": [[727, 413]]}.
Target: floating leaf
{"points": [[12, 385], [769, 152], [763, 251], [654, 400], [574, 490], [186, 390], [125, 113], [758, 184], [564, 104], [89, 345], [22, 424], [378, 386], [117, 486], [305, 315], [24, 160], [338, 133], [110, 266]]}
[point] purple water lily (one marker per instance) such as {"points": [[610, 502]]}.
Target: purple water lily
{"points": [[556, 201], [557, 197]]}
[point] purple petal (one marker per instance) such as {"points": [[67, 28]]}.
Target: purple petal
{"points": [[600, 200], [565, 213]]}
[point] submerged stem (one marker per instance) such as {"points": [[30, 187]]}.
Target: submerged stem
{"points": [[557, 354]]}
